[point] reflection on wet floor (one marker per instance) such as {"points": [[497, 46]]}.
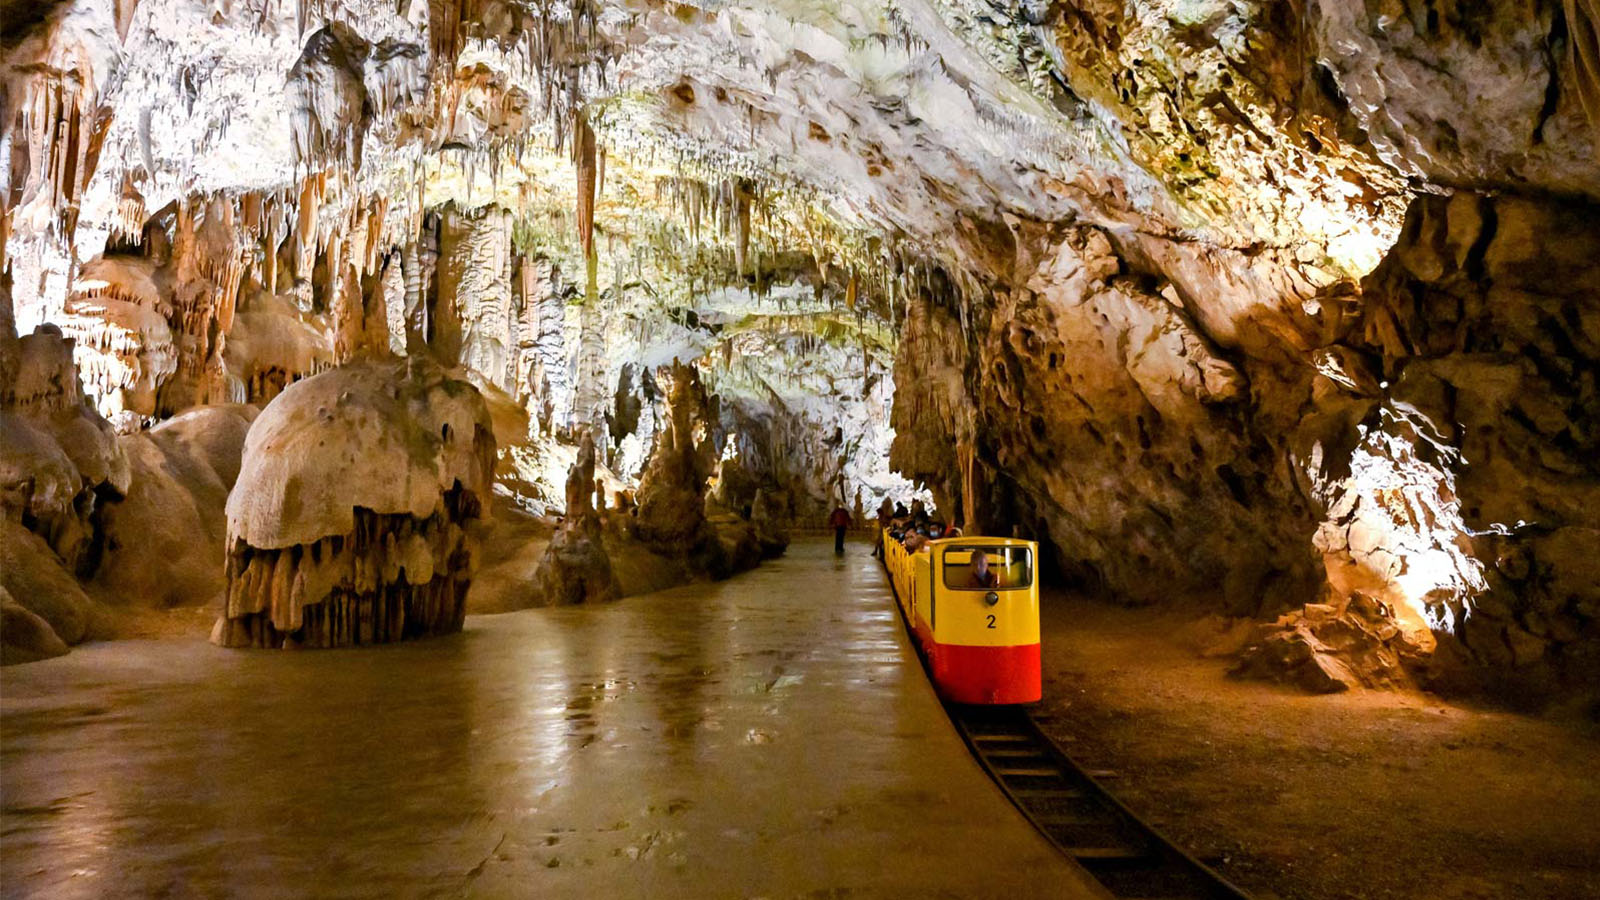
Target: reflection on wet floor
{"points": [[770, 735]]}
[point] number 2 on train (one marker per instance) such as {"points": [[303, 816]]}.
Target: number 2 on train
{"points": [[991, 620]]}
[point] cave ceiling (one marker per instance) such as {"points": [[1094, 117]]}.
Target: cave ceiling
{"points": [[1290, 136], [936, 125]]}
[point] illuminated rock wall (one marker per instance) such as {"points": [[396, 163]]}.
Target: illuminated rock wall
{"points": [[1088, 409], [99, 524], [1484, 329]]}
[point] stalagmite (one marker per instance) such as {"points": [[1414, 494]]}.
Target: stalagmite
{"points": [[349, 521], [575, 567], [671, 496]]}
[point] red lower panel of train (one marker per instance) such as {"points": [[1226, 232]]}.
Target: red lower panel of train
{"points": [[984, 675]]}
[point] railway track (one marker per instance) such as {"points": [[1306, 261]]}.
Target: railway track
{"points": [[1128, 856], [1081, 818]]}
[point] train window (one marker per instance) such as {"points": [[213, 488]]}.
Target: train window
{"points": [[987, 568]]}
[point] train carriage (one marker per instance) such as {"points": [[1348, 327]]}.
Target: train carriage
{"points": [[973, 606]]}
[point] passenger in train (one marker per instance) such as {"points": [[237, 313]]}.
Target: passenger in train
{"points": [[979, 575], [885, 516], [919, 513], [916, 538]]}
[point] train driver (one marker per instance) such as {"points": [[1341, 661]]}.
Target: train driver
{"points": [[979, 575]]}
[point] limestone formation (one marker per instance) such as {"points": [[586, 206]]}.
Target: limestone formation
{"points": [[24, 635], [576, 567], [770, 531], [58, 459], [671, 516], [35, 579], [138, 518], [60, 464], [349, 521], [1484, 326], [1326, 648], [161, 544]]}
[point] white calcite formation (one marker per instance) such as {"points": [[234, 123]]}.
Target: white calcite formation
{"points": [[349, 521]]}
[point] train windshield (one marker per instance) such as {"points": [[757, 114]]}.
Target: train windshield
{"points": [[987, 568]]}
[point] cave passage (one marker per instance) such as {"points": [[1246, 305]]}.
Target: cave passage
{"points": [[1273, 326], [769, 734]]}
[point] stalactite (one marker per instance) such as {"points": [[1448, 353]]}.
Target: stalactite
{"points": [[411, 266], [584, 157], [741, 202], [394, 578]]}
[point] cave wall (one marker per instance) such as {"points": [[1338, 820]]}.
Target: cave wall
{"points": [[1121, 434], [1354, 375], [1432, 450], [1483, 325]]}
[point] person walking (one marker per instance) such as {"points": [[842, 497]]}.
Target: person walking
{"points": [[839, 520]]}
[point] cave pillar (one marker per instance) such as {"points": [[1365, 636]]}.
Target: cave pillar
{"points": [[671, 512], [473, 321]]}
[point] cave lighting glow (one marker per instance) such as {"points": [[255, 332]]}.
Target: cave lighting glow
{"points": [[1396, 518]]}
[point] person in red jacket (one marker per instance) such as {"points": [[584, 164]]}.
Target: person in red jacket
{"points": [[839, 520]]}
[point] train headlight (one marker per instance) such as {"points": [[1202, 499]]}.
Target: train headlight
{"points": [[991, 598]]}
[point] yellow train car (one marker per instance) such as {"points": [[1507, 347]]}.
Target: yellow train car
{"points": [[973, 605]]}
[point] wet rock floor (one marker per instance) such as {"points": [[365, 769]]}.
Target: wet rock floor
{"points": [[1367, 795], [768, 736]]}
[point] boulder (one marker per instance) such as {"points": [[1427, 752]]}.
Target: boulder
{"points": [[162, 544], [24, 636], [34, 578]]}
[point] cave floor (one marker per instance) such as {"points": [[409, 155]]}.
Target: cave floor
{"points": [[1368, 794], [771, 735]]}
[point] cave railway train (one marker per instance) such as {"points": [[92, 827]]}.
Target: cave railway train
{"points": [[976, 625]]}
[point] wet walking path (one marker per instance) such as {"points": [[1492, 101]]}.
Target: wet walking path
{"points": [[767, 736]]}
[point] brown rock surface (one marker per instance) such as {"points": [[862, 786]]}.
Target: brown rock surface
{"points": [[34, 578], [25, 636], [162, 544], [670, 516]]}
